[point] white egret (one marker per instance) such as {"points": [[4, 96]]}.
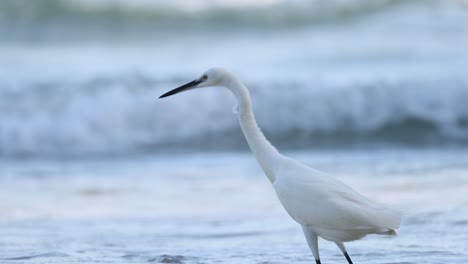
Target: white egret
{"points": [[324, 206]]}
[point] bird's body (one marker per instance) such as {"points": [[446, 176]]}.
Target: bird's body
{"points": [[324, 206], [329, 208]]}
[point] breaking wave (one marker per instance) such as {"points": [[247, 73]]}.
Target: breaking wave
{"points": [[396, 76], [115, 116]]}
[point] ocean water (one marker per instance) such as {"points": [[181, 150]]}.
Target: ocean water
{"points": [[95, 169], [220, 208], [348, 73]]}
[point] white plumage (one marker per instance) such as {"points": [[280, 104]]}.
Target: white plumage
{"points": [[327, 206], [324, 206]]}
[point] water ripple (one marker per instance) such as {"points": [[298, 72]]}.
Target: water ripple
{"points": [[42, 255], [167, 259]]}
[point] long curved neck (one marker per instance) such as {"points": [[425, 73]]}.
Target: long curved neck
{"points": [[265, 153]]}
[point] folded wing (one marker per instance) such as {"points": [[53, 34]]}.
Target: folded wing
{"points": [[316, 199]]}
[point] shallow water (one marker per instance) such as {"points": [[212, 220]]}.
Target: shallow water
{"points": [[219, 208]]}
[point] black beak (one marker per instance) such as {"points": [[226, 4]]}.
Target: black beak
{"points": [[182, 88]]}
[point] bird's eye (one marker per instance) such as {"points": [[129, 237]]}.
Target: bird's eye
{"points": [[204, 77]]}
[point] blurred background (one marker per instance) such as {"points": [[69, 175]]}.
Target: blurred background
{"points": [[81, 78], [94, 168]]}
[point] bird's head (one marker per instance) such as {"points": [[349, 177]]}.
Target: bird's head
{"points": [[212, 77]]}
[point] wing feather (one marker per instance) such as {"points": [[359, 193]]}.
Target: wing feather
{"points": [[316, 199]]}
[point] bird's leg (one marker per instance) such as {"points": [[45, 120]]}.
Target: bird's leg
{"points": [[312, 241], [345, 253]]}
